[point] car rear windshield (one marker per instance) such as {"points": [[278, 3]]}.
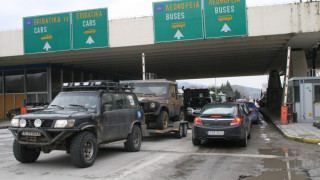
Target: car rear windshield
{"points": [[220, 109]]}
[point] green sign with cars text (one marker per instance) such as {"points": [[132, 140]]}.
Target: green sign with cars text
{"points": [[90, 28], [47, 33], [225, 18], [177, 20]]}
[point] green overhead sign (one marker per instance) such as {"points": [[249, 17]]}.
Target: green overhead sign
{"points": [[90, 28], [225, 18], [47, 33], [177, 20], [66, 31]]}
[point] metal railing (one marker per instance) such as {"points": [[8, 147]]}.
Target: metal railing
{"points": [[313, 73]]}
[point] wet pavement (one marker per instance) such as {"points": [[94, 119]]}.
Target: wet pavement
{"points": [[268, 156], [285, 166]]}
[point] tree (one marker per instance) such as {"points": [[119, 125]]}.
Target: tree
{"points": [[227, 89], [237, 94]]}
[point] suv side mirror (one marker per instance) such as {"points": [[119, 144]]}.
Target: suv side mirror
{"points": [[45, 106], [107, 107]]}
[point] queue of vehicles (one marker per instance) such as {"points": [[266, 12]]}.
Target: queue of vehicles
{"points": [[88, 114]]}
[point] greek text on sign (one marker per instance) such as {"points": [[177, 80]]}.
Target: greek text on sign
{"points": [[178, 20], [90, 29], [225, 18], [47, 33]]}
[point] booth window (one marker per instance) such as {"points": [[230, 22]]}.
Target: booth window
{"points": [[14, 81], [77, 76], [31, 98], [86, 76], [42, 98], [95, 76], [37, 80], [317, 93], [55, 81], [296, 90], [67, 75]]}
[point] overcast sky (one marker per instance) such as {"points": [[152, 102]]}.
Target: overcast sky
{"points": [[12, 12]]}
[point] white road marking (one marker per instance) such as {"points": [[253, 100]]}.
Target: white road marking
{"points": [[6, 153], [142, 166], [215, 154]]}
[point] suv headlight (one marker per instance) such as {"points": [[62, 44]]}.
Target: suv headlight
{"points": [[15, 122], [23, 123], [37, 123], [64, 123], [152, 105], [189, 109]]}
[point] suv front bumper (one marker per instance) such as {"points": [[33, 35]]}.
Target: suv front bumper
{"points": [[47, 136]]}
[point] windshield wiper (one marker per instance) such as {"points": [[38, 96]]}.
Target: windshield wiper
{"points": [[54, 105], [78, 105]]}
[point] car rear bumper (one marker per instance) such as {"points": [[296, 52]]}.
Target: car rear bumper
{"points": [[236, 132], [254, 117]]}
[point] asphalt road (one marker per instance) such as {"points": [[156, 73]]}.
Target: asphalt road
{"points": [[268, 156]]}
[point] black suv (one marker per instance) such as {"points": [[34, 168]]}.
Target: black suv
{"points": [[80, 118]]}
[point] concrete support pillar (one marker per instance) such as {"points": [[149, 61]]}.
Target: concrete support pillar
{"points": [[299, 66], [274, 91]]}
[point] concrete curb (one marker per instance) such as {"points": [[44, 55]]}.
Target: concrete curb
{"points": [[301, 139], [290, 137]]}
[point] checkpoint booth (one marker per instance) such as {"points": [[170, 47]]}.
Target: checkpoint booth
{"points": [[304, 98]]}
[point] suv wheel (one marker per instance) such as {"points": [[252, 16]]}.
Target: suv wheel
{"points": [[179, 134], [243, 142], [163, 120], [181, 116], [83, 149], [134, 139], [196, 142], [24, 154], [185, 130]]}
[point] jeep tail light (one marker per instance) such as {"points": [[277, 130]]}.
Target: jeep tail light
{"points": [[197, 121], [236, 121]]}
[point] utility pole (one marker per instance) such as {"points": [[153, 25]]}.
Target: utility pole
{"points": [[143, 67]]}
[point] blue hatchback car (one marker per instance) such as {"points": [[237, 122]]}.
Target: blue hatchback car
{"points": [[254, 113]]}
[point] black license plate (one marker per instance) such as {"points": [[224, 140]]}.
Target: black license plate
{"points": [[30, 133]]}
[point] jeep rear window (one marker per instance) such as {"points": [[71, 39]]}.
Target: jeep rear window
{"points": [[151, 89]]}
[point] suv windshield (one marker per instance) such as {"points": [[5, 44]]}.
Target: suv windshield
{"points": [[75, 101], [149, 89]]}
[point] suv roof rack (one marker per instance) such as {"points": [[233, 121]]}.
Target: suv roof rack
{"points": [[97, 85], [144, 81]]}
